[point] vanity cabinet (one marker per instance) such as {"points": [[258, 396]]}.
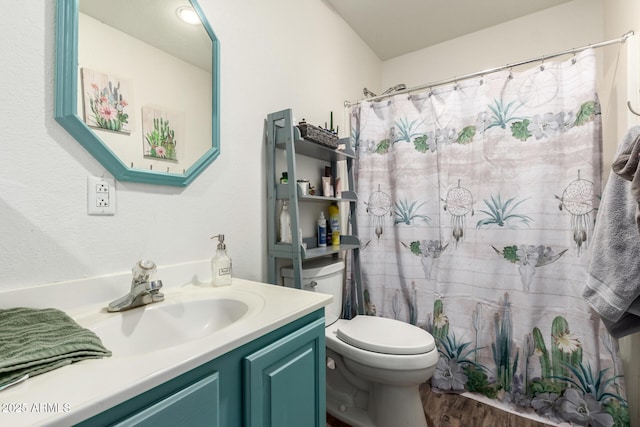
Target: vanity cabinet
{"points": [[276, 380], [194, 405], [283, 136], [280, 379]]}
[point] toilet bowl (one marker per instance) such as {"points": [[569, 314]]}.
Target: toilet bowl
{"points": [[375, 365]]}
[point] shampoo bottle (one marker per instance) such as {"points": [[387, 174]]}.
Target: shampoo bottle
{"points": [[221, 264], [322, 230]]}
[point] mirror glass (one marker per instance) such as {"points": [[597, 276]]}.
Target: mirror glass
{"points": [[138, 87]]}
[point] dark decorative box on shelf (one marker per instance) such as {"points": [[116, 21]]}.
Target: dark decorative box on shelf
{"points": [[318, 135]]}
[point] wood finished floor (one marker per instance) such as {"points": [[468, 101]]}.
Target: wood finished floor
{"points": [[452, 410]]}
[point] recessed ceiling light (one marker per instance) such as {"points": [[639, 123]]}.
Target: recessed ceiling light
{"points": [[188, 15]]}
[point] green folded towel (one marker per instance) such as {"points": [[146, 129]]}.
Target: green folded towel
{"points": [[34, 341]]}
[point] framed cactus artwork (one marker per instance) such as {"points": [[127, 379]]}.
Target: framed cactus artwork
{"points": [[106, 101], [162, 130]]}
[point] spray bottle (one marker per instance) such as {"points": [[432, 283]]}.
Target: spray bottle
{"points": [[322, 230], [334, 224]]}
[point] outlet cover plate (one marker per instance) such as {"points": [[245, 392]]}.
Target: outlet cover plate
{"points": [[101, 196]]}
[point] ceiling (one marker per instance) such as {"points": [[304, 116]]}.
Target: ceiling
{"points": [[389, 27], [156, 24], [394, 27]]}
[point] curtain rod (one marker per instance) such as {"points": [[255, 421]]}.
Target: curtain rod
{"points": [[496, 69]]}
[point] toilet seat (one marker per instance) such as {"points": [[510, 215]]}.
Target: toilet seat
{"points": [[397, 362], [387, 336]]}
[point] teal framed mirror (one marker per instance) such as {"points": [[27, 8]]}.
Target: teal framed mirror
{"points": [[141, 96]]}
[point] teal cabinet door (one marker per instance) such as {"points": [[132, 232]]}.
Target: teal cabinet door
{"points": [[195, 405], [284, 383]]}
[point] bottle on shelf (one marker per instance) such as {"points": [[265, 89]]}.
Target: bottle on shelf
{"points": [[334, 224], [322, 230], [285, 224]]}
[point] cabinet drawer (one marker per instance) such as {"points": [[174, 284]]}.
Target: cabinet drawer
{"points": [[194, 405]]}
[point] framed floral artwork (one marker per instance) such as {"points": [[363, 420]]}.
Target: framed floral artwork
{"points": [[163, 133], [106, 101]]}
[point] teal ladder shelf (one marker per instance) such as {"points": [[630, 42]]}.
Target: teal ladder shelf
{"points": [[283, 134]]}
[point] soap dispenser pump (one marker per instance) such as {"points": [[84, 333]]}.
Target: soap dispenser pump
{"points": [[221, 264]]}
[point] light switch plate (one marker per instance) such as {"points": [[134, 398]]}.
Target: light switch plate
{"points": [[101, 196]]}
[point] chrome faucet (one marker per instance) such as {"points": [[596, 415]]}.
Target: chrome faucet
{"points": [[143, 290]]}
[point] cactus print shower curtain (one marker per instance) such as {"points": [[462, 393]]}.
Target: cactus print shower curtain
{"points": [[478, 202]]}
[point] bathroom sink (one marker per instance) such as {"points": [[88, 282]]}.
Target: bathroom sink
{"points": [[169, 323]]}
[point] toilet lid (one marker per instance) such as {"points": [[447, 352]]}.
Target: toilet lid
{"points": [[386, 336]]}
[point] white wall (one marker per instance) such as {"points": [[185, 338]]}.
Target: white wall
{"points": [[569, 25], [573, 24], [621, 73], [274, 55]]}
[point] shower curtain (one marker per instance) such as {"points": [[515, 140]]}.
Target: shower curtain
{"points": [[478, 201]]}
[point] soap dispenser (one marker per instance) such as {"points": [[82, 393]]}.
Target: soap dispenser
{"points": [[221, 264]]}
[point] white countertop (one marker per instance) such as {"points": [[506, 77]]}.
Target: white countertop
{"points": [[73, 393]]}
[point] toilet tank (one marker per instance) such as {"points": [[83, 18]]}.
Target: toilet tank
{"points": [[324, 275]]}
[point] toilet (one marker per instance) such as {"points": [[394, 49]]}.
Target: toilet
{"points": [[375, 365]]}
